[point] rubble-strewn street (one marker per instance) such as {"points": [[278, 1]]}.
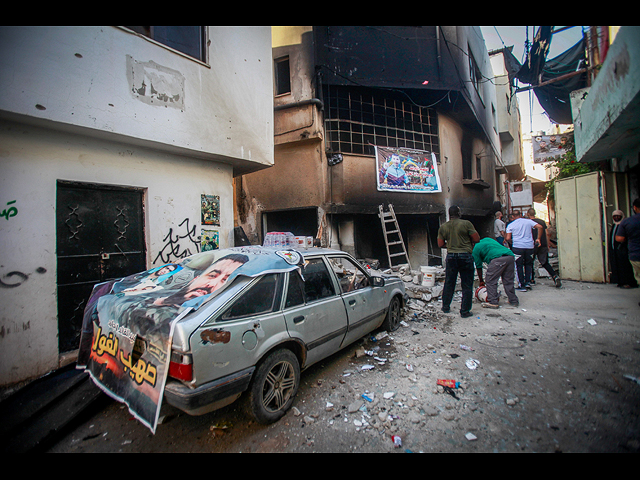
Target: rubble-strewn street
{"points": [[557, 374]]}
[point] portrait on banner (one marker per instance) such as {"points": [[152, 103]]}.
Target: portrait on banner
{"points": [[549, 148], [406, 170]]}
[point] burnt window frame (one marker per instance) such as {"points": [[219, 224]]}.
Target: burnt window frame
{"points": [[357, 120], [281, 76]]}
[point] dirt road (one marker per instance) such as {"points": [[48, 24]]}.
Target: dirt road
{"points": [[548, 376]]}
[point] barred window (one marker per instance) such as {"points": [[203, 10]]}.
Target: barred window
{"points": [[358, 119]]}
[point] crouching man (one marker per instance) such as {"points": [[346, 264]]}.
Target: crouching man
{"points": [[500, 264]]}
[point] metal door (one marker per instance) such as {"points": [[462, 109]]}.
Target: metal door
{"points": [[365, 308], [581, 204], [319, 318], [100, 236]]}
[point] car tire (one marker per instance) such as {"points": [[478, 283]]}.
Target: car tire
{"points": [[274, 386], [392, 320]]}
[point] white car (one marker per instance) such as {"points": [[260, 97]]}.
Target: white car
{"points": [[249, 329]]}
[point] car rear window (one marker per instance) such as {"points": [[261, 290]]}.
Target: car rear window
{"points": [[260, 298]]}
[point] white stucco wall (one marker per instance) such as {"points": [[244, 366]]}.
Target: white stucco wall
{"points": [[31, 161], [86, 76], [68, 112]]}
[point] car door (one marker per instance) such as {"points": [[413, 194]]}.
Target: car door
{"points": [[364, 303], [313, 310], [232, 339]]}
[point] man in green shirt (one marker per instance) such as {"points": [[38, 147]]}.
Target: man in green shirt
{"points": [[500, 263], [458, 236]]}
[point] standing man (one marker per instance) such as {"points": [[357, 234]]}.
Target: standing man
{"points": [[458, 236], [520, 236], [498, 228], [542, 252], [500, 261], [629, 231]]}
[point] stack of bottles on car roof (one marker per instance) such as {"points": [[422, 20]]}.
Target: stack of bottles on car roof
{"points": [[286, 239]]}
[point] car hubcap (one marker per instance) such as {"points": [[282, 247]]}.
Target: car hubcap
{"points": [[278, 386]]}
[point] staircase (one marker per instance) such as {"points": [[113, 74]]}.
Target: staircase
{"points": [[37, 414]]}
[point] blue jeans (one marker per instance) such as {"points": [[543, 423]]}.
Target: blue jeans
{"points": [[524, 265], [458, 263]]}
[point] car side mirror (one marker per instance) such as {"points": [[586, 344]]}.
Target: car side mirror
{"points": [[377, 281]]}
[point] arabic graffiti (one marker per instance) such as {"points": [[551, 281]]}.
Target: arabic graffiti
{"points": [[23, 277], [172, 247], [9, 212]]}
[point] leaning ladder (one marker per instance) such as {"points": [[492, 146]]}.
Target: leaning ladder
{"points": [[392, 236]]}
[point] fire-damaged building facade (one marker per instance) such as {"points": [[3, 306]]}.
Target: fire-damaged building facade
{"points": [[376, 116]]}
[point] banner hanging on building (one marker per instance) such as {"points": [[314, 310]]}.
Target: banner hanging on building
{"points": [[549, 148], [406, 170]]}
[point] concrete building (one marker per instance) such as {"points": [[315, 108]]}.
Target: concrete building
{"points": [[509, 130], [607, 130], [113, 140], [606, 114], [342, 94]]}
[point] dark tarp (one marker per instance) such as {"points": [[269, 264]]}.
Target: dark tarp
{"points": [[536, 57], [555, 97]]}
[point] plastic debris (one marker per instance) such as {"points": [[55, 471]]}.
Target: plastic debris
{"points": [[472, 364], [397, 441], [448, 383], [633, 379]]}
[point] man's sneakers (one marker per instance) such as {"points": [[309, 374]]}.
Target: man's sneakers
{"points": [[558, 282], [521, 289], [490, 305]]}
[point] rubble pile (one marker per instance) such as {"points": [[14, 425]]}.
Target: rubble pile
{"points": [[411, 380]]}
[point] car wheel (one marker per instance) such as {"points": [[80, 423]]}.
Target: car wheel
{"points": [[392, 321], [274, 386]]}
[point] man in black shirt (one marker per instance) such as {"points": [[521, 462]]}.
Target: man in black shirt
{"points": [[542, 251]]}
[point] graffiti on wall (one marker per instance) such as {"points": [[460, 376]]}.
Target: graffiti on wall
{"points": [[9, 212], [177, 245], [15, 279]]}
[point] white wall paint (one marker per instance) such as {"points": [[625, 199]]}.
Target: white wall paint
{"points": [[68, 112], [82, 77], [31, 160]]}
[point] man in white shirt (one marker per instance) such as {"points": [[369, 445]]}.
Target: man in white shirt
{"points": [[498, 228], [519, 234]]}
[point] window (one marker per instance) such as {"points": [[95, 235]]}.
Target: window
{"points": [[295, 291], [474, 72], [283, 76], [317, 281], [359, 119], [261, 298], [350, 276], [190, 40]]}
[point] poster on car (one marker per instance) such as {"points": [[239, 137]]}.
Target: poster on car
{"points": [[128, 323], [549, 148], [406, 170]]}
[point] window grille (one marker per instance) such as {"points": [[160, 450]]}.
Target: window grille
{"points": [[358, 120]]}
